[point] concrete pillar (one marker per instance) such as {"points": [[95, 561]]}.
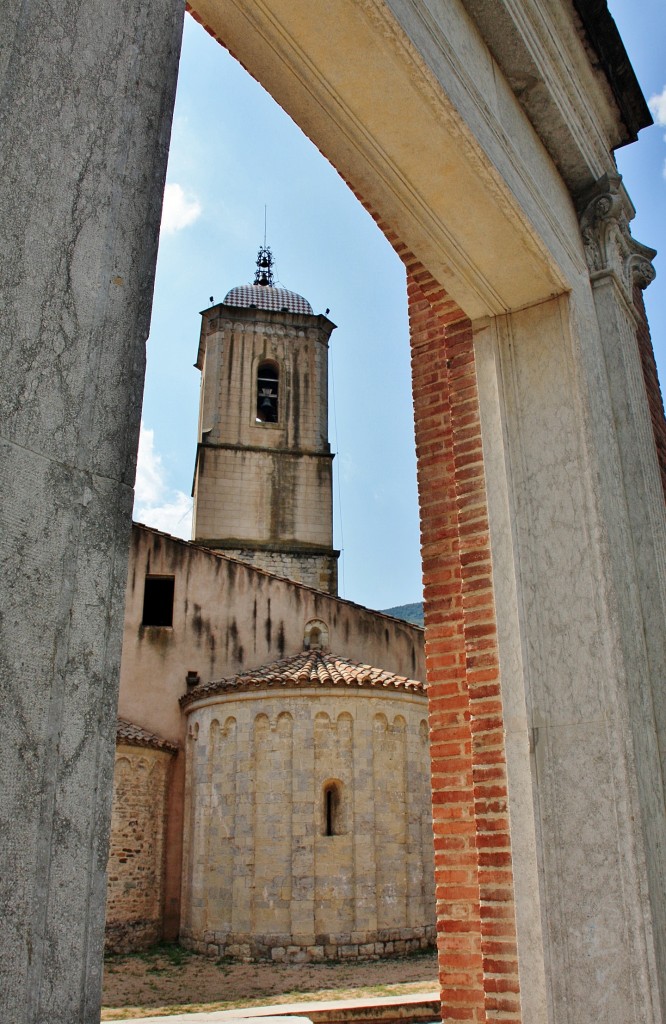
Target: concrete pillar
{"points": [[87, 98]]}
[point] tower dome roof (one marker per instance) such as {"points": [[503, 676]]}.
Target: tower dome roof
{"points": [[263, 296]]}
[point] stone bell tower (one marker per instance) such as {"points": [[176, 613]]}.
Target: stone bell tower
{"points": [[263, 474]]}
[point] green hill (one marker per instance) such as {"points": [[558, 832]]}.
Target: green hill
{"points": [[409, 612]]}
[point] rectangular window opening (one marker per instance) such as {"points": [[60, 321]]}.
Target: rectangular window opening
{"points": [[158, 601]]}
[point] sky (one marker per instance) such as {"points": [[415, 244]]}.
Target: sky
{"points": [[234, 155]]}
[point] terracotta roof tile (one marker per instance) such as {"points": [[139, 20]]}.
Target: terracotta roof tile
{"points": [[310, 668], [135, 736]]}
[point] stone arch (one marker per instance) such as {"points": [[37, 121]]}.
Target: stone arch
{"points": [[455, 146], [122, 764], [345, 724], [377, 161], [380, 723], [284, 722], [315, 635], [322, 721]]}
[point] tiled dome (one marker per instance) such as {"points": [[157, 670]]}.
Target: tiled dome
{"points": [[263, 296]]}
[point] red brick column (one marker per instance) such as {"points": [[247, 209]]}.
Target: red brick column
{"points": [[473, 871]]}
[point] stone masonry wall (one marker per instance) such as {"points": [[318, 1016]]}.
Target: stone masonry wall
{"points": [[317, 571], [264, 877], [136, 854]]}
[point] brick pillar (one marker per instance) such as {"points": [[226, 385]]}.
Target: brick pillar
{"points": [[473, 872]]}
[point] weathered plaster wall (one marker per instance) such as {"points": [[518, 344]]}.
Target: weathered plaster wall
{"points": [[261, 878], [229, 617]]}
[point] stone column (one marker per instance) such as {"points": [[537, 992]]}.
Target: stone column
{"points": [[87, 98], [577, 529], [619, 266]]}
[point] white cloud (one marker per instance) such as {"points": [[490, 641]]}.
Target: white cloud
{"points": [[179, 210], [657, 105], [156, 504], [149, 487], [174, 517]]}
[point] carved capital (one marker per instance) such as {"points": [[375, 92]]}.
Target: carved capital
{"points": [[604, 220]]}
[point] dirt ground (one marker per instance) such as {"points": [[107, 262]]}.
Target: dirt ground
{"points": [[171, 980]]}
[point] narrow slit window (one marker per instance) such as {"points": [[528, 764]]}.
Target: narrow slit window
{"points": [[158, 601], [332, 809], [267, 393]]}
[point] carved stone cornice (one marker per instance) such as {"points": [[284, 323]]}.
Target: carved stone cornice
{"points": [[609, 247]]}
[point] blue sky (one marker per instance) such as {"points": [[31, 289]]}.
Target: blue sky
{"points": [[235, 151]]}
